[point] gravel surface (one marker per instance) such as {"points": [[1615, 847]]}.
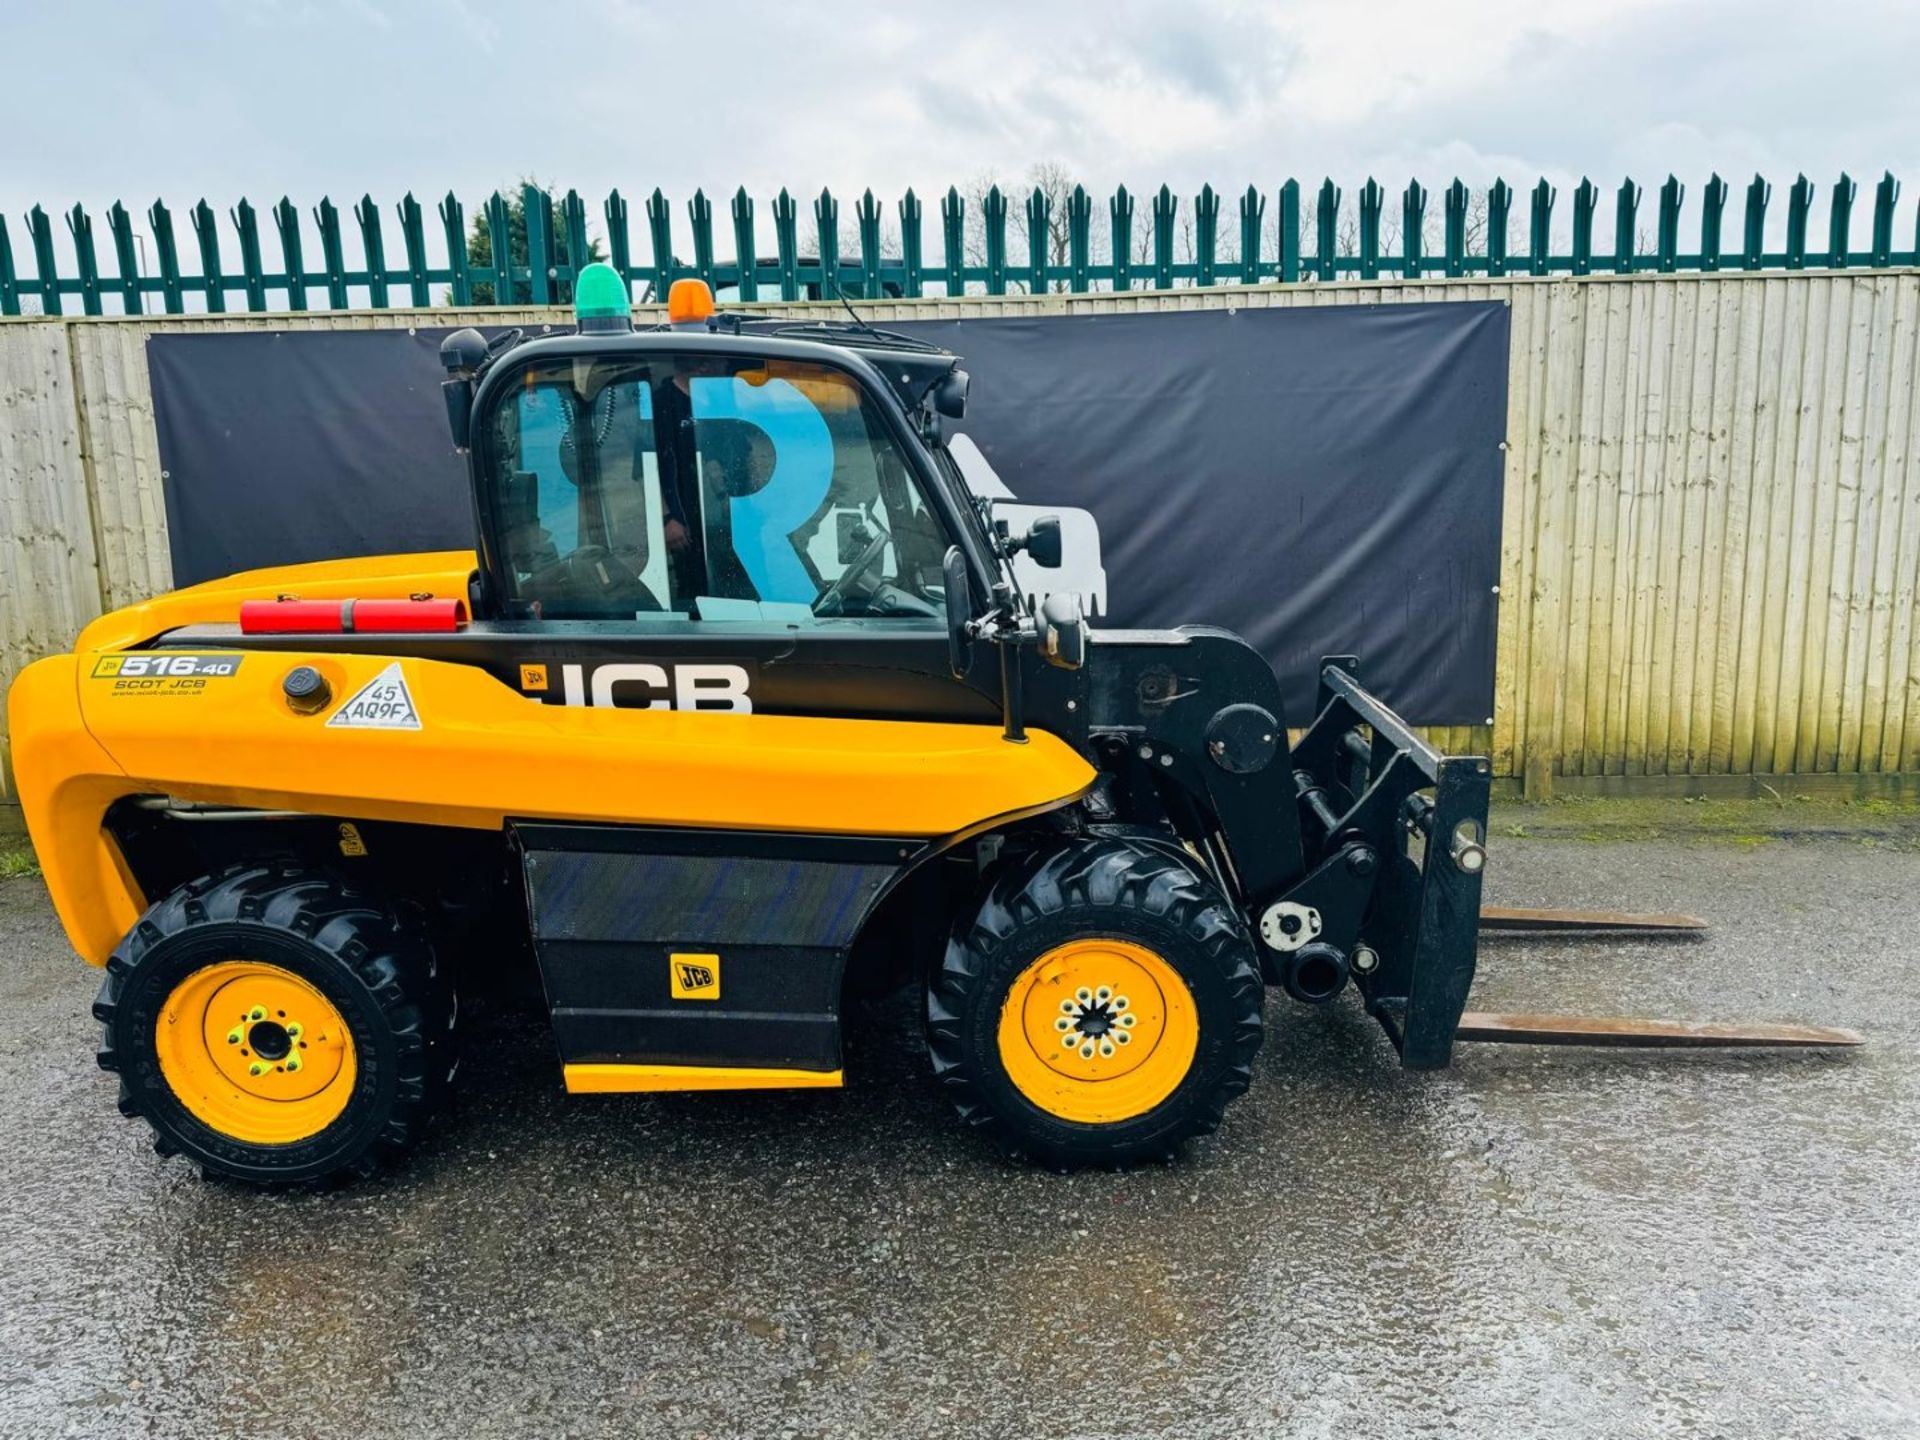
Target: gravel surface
{"points": [[1538, 1242]]}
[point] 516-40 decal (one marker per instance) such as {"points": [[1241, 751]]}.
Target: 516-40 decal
{"points": [[164, 672]]}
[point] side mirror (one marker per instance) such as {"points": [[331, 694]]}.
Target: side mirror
{"points": [[950, 393], [1063, 632], [459, 397], [959, 598], [1042, 541]]}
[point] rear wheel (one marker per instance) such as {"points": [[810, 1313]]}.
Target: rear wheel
{"points": [[277, 1027], [1101, 1005]]}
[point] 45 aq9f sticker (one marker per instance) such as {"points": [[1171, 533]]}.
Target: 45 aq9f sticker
{"points": [[164, 672]]}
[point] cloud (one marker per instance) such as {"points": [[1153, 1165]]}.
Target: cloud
{"points": [[283, 97]]}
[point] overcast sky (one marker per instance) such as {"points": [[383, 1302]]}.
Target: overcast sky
{"points": [[133, 99]]}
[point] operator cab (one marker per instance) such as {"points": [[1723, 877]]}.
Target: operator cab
{"points": [[706, 471]]}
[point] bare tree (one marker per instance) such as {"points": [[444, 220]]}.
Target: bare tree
{"points": [[1056, 184]]}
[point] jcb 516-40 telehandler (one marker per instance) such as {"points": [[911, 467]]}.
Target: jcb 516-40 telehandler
{"points": [[736, 702]]}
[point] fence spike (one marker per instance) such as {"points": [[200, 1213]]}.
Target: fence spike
{"points": [[166, 258], [953, 216], [786, 233], [126, 258], [994, 212], [867, 214], [1120, 230], [912, 259], [1079, 241], [1799, 210], [700, 217], [746, 251], [1165, 207], [1289, 225], [1039, 238], [1206, 234], [1671, 195], [246, 224], [500, 249], [1840, 220], [1886, 195], [1456, 229], [1586, 199], [1626, 238], [619, 240], [46, 277], [80, 227], [413, 238], [1253, 213], [9, 277], [1759, 193], [453, 224], [536, 209], [206, 231], [1540, 231], [374, 246], [1373, 200], [573, 227], [333, 251], [1413, 224], [286, 220], [1713, 205], [1499, 206], [1326, 222], [826, 220], [660, 233]]}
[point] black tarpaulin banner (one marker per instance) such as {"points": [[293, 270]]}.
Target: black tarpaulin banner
{"points": [[1323, 480]]}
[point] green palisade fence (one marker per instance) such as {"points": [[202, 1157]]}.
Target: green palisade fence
{"points": [[998, 244]]}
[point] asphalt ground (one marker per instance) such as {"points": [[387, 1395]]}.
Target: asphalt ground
{"points": [[1537, 1242]]}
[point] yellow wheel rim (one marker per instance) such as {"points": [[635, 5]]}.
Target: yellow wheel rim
{"points": [[1097, 1031], [255, 1052]]}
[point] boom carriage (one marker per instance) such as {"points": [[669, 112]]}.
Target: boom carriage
{"points": [[735, 705]]}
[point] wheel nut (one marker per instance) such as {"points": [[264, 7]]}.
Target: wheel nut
{"points": [[256, 1068]]}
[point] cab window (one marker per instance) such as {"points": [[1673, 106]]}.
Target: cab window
{"points": [[707, 488], [582, 518], [805, 501]]}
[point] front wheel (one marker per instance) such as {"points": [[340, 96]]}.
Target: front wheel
{"points": [[277, 1027], [1101, 1005]]}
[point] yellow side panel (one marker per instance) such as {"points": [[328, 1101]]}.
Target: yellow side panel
{"points": [[66, 783], [483, 752], [84, 736], [634, 1079]]}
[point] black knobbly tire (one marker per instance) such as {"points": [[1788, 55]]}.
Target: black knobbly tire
{"points": [[378, 974], [1112, 888]]}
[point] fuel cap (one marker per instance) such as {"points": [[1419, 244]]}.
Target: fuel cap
{"points": [[306, 689]]}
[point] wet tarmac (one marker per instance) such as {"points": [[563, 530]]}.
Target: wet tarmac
{"points": [[1539, 1242]]}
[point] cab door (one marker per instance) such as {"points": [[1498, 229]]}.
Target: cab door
{"points": [[709, 532]]}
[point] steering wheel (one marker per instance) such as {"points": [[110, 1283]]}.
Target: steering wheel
{"points": [[832, 598]]}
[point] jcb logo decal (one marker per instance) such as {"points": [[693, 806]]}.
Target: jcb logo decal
{"points": [[694, 977], [644, 686]]}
